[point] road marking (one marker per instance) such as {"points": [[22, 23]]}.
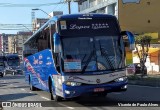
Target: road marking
{"points": [[145, 86], [117, 93], [23, 89], [45, 98], [30, 92], [66, 106], [59, 103]]}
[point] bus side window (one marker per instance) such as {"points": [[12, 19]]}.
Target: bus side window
{"points": [[44, 39], [52, 31]]}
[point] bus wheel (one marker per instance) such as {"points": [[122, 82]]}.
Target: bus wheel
{"points": [[4, 73], [54, 96], [32, 88]]}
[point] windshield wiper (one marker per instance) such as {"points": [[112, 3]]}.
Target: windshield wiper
{"points": [[106, 57], [88, 60]]}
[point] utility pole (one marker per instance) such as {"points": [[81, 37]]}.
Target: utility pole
{"points": [[69, 6]]}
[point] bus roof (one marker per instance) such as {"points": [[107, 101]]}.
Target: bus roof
{"points": [[70, 16], [74, 16]]}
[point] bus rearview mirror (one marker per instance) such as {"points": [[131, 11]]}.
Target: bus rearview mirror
{"points": [[130, 39], [56, 42]]}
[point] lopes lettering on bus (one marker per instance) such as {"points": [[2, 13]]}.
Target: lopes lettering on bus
{"points": [[96, 27], [92, 26]]}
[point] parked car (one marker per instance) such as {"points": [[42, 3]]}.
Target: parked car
{"points": [[2, 69]]}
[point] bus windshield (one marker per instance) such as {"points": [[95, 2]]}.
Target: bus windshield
{"points": [[13, 62], [92, 54]]}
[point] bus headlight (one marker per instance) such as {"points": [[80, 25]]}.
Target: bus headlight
{"points": [[70, 83], [121, 79]]}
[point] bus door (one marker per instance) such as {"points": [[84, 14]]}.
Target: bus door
{"points": [[58, 77]]}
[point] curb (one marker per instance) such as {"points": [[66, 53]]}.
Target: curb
{"points": [[144, 83]]}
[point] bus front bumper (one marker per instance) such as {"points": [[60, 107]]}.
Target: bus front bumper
{"points": [[75, 91]]}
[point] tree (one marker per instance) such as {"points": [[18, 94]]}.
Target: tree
{"points": [[142, 44]]}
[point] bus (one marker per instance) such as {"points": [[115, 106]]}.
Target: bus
{"points": [[2, 65], [13, 64], [77, 54]]}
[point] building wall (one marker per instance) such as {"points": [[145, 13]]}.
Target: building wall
{"points": [[1, 43], [140, 17], [11, 44], [4, 43], [137, 16], [99, 6], [20, 39], [37, 23]]}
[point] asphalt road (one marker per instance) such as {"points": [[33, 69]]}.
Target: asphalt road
{"points": [[14, 89]]}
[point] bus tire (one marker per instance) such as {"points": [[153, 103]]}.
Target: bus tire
{"points": [[4, 73], [32, 88], [54, 97]]}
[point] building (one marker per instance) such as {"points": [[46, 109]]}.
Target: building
{"points": [[98, 6], [11, 44], [20, 39], [1, 43], [4, 43], [140, 17], [55, 13], [38, 22], [137, 16], [15, 43]]}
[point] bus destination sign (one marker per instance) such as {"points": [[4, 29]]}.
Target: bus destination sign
{"points": [[96, 27]]}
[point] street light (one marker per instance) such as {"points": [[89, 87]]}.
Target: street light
{"points": [[25, 27], [35, 9]]}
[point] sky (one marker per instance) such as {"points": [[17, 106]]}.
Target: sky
{"points": [[19, 11]]}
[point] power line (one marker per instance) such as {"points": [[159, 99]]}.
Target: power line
{"points": [[16, 27], [57, 5], [60, 7], [29, 5], [15, 24], [12, 29]]}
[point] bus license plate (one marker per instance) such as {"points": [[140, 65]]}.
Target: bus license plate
{"points": [[98, 89]]}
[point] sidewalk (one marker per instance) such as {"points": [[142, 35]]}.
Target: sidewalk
{"points": [[149, 80]]}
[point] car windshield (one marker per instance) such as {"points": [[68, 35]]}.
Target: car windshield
{"points": [[88, 54]]}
